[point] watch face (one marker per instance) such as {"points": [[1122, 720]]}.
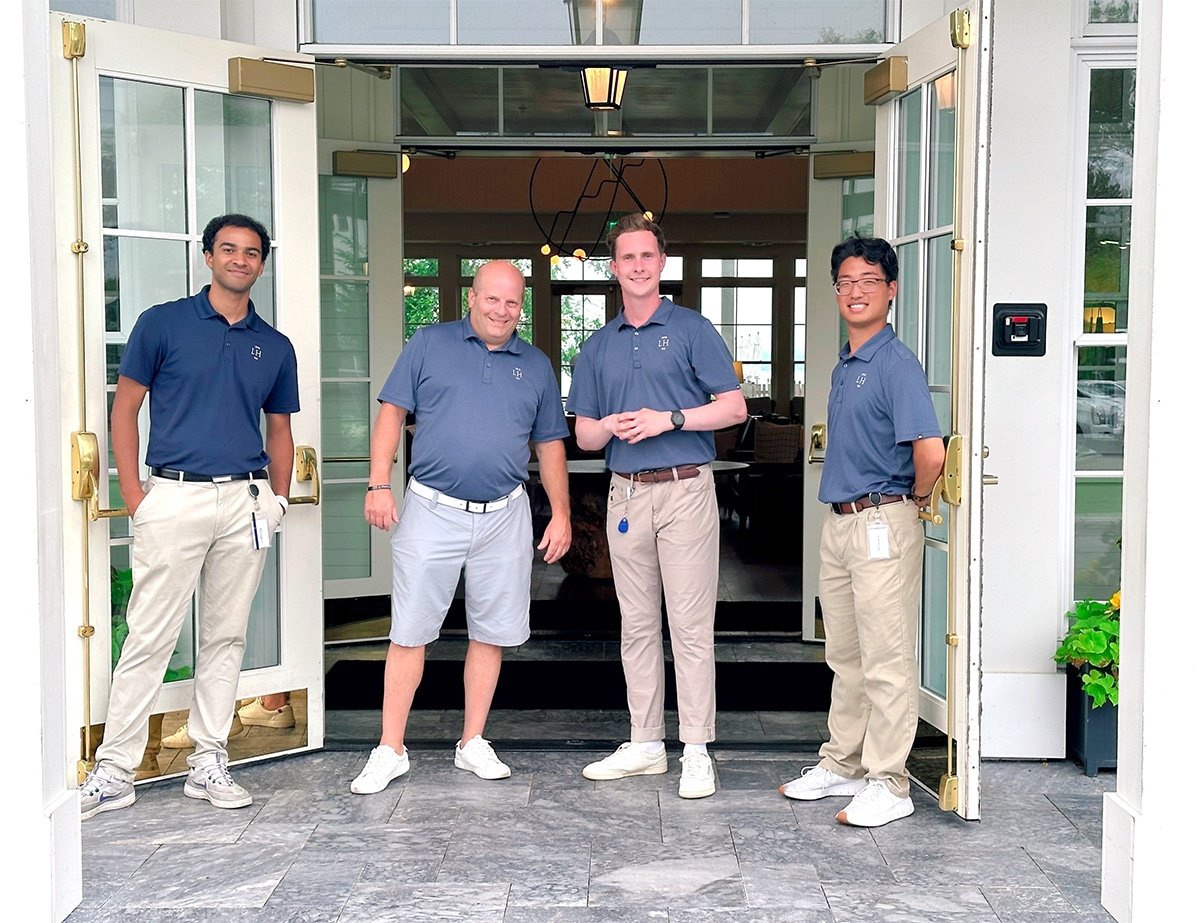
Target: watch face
{"points": [[677, 419]]}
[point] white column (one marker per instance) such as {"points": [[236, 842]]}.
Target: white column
{"points": [[1148, 869], [42, 827]]}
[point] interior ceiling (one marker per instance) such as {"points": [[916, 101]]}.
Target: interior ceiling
{"points": [[765, 106]]}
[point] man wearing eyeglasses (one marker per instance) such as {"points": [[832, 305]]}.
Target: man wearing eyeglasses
{"points": [[883, 456]]}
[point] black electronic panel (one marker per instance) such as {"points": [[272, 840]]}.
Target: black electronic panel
{"points": [[1019, 330]]}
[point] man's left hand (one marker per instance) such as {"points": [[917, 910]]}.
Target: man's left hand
{"points": [[643, 424], [556, 540]]}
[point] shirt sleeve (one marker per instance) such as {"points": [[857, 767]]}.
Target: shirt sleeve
{"points": [[400, 388], [144, 352], [285, 394], [550, 422], [913, 414], [712, 361]]}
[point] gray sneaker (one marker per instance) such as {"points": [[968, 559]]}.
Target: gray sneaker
{"points": [[213, 783], [102, 792]]}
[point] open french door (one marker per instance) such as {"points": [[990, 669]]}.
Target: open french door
{"points": [[150, 143]]}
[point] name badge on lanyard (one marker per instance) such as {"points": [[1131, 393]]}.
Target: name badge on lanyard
{"points": [[879, 547]]}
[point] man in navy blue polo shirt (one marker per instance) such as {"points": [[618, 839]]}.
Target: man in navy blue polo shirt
{"points": [[649, 388], [203, 521], [481, 395], [882, 460]]}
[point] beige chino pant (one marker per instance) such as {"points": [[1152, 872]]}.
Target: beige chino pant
{"points": [[870, 610], [188, 537], [671, 545]]}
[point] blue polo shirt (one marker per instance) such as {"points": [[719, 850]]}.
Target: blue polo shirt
{"points": [[675, 360], [879, 404], [477, 409], [209, 384]]}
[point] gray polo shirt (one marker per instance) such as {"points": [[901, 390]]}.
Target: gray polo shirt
{"points": [[675, 360], [476, 409], [879, 404]]}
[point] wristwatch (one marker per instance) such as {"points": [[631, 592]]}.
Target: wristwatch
{"points": [[677, 420]]}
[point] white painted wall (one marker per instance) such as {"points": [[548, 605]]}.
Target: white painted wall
{"points": [[1030, 233]]}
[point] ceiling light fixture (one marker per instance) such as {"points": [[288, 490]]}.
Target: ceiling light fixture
{"points": [[603, 87]]}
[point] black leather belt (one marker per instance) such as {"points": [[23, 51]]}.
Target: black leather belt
{"points": [[658, 475], [171, 473], [867, 502]]}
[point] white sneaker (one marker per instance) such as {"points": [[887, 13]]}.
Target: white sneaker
{"points": [[477, 756], [698, 780], [179, 740], [213, 783], [875, 806], [383, 765], [818, 782], [103, 792], [627, 760]]}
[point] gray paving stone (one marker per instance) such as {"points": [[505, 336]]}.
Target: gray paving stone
{"points": [[1007, 901], [387, 902], [674, 875], [989, 864], [904, 903]]}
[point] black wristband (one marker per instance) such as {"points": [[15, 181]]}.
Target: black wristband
{"points": [[379, 487]]}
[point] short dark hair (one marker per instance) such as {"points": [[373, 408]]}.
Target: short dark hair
{"points": [[874, 250], [635, 222], [235, 221]]}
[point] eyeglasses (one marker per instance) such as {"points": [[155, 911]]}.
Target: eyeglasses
{"points": [[866, 286]]}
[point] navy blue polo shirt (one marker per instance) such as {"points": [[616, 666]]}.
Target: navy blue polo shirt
{"points": [[209, 384], [879, 404], [674, 361], [477, 409]]}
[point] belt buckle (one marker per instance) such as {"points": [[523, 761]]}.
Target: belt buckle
{"points": [[474, 506], [222, 479]]}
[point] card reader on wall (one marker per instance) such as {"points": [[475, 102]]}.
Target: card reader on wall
{"points": [[1019, 330]]}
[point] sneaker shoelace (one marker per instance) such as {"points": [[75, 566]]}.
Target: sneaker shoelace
{"points": [[218, 774], [376, 759], [482, 752], [694, 764], [93, 784]]}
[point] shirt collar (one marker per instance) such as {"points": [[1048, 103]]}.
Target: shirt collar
{"points": [[871, 347], [515, 344], [205, 311], [661, 315]]}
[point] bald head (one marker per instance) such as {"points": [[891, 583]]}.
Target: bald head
{"points": [[495, 299]]}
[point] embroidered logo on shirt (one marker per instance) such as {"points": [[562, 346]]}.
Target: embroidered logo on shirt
{"points": [[860, 380], [664, 342], [518, 374], [256, 352]]}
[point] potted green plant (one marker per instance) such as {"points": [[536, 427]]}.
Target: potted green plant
{"points": [[1091, 652]]}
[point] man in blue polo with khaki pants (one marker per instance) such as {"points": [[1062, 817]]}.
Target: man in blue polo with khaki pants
{"points": [[480, 394], [204, 520], [649, 388], [882, 460]]}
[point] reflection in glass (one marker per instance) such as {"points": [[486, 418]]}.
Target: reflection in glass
{"points": [[939, 306], [908, 173], [342, 201], [142, 170], [345, 534], [1106, 268], [544, 101], [346, 419], [1110, 134], [858, 206], [933, 619], [530, 22], [138, 274], [233, 157], [1097, 537], [671, 101], [817, 22], [1112, 10], [672, 22], [345, 330], [381, 22], [1100, 409], [262, 631], [906, 309], [764, 101], [942, 137], [446, 102]]}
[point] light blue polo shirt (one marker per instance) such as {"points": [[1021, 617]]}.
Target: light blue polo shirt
{"points": [[674, 361], [209, 383], [477, 409], [879, 404]]}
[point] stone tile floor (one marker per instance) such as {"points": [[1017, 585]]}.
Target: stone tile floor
{"points": [[548, 845]]}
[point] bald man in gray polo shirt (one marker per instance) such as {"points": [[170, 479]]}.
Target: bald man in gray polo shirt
{"points": [[481, 395]]}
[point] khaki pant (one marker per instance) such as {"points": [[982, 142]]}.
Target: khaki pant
{"points": [[671, 545], [870, 610], [187, 538]]}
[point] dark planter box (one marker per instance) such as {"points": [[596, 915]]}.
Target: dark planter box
{"points": [[1091, 732]]}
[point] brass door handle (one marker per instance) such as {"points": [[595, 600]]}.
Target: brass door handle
{"points": [[85, 476], [816, 444], [306, 470]]}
